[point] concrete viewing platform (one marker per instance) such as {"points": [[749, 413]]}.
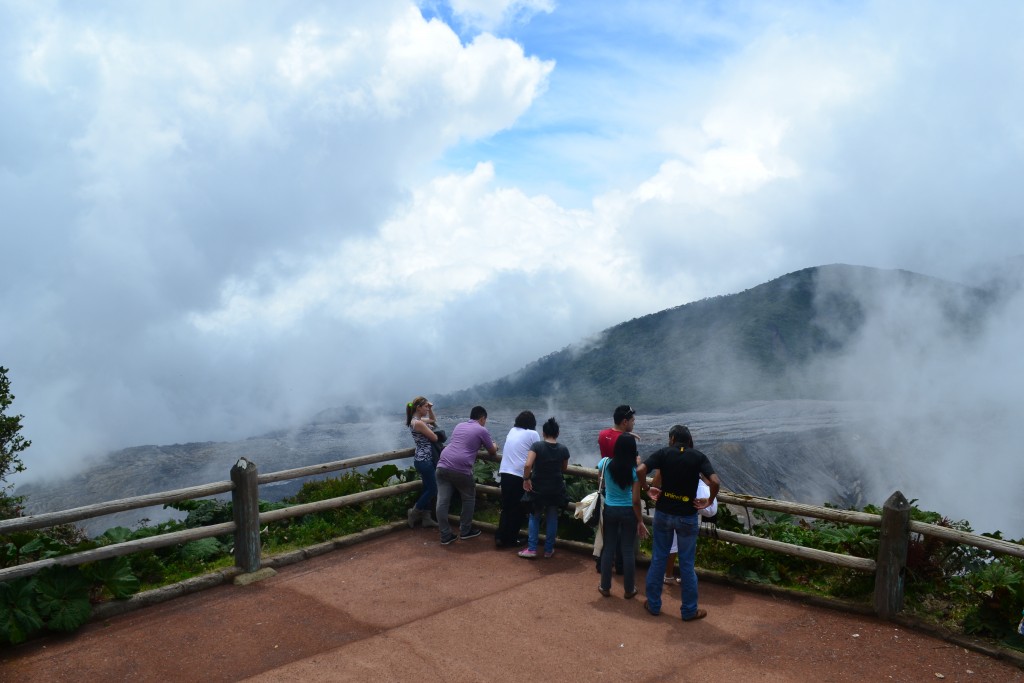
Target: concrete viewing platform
{"points": [[404, 608]]}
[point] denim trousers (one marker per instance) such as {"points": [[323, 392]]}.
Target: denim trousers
{"points": [[550, 531], [685, 530], [619, 537], [426, 470], [447, 482], [511, 519]]}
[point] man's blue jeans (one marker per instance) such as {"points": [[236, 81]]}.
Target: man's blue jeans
{"points": [[685, 530], [551, 529], [426, 470]]}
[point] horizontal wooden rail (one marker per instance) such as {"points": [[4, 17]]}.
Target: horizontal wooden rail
{"points": [[869, 519], [341, 501], [117, 550], [326, 467], [849, 561], [967, 538], [177, 537], [838, 559], [572, 471], [800, 509], [46, 519]]}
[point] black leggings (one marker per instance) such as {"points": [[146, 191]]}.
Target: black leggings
{"points": [[512, 515]]}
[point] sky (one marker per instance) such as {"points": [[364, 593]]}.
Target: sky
{"points": [[221, 218]]}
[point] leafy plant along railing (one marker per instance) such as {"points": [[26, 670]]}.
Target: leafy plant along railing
{"points": [[888, 567]]}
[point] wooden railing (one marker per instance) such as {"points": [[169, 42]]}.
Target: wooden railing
{"points": [[888, 567], [243, 485]]}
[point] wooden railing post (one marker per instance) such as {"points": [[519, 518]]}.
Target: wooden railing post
{"points": [[892, 556], [245, 503]]}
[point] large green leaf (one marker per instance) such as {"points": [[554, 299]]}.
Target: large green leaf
{"points": [[204, 512], [8, 554], [45, 546], [202, 550], [18, 615], [63, 598], [117, 534], [485, 472], [115, 575], [380, 476]]}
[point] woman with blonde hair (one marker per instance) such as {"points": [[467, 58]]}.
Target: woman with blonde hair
{"points": [[419, 416]]}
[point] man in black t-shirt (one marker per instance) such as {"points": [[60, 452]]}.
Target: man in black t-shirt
{"points": [[681, 467]]}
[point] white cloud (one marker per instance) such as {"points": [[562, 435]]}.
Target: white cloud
{"points": [[454, 237], [194, 166], [489, 15], [228, 216]]}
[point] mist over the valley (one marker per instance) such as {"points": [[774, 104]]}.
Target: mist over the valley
{"points": [[887, 381]]}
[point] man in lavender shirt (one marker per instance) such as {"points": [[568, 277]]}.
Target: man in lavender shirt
{"points": [[455, 472]]}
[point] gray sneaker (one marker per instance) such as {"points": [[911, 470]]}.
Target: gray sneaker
{"points": [[472, 533], [450, 538]]}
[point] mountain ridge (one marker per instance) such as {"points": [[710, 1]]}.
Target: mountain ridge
{"points": [[757, 344]]}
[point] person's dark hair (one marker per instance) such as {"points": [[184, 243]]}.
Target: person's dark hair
{"points": [[525, 420], [622, 413], [410, 408], [477, 413], [680, 435], [623, 461], [551, 428]]}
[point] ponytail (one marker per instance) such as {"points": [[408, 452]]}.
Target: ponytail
{"points": [[410, 408]]}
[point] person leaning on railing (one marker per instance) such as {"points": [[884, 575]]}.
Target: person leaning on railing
{"points": [[546, 462], [513, 460], [455, 472], [419, 416]]}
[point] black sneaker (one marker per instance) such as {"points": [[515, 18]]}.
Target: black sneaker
{"points": [[450, 538], [473, 533]]}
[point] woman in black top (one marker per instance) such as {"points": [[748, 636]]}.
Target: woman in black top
{"points": [[542, 477]]}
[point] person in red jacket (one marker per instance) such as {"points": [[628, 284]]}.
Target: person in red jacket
{"points": [[623, 418]]}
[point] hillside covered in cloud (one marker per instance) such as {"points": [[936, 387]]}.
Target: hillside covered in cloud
{"points": [[784, 339], [924, 370]]}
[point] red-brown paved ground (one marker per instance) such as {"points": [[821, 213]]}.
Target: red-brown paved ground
{"points": [[404, 608]]}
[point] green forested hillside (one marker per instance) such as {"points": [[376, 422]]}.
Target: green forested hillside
{"points": [[757, 344]]}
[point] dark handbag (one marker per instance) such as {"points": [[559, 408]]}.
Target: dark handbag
{"points": [[708, 526], [526, 502], [436, 446], [595, 518]]}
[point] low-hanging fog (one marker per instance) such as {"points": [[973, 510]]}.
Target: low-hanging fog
{"points": [[220, 219], [943, 408]]}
